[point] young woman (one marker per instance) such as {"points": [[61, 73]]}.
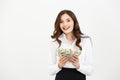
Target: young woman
{"points": [[71, 50]]}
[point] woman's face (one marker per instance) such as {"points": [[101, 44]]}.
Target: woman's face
{"points": [[66, 24]]}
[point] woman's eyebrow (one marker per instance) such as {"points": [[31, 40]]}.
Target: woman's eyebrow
{"points": [[65, 19], [68, 19]]}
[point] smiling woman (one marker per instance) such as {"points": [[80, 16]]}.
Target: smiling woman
{"points": [[66, 23], [71, 50]]}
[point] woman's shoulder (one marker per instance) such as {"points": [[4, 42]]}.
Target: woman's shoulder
{"points": [[53, 42], [86, 39], [85, 36]]}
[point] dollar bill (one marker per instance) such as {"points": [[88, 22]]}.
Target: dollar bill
{"points": [[68, 52], [61, 52], [77, 52]]}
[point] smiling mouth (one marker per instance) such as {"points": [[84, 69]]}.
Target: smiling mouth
{"points": [[66, 28]]}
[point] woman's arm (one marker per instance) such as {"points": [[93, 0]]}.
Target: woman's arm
{"points": [[86, 66], [53, 65]]}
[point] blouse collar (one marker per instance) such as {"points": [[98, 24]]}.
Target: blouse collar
{"points": [[64, 39]]}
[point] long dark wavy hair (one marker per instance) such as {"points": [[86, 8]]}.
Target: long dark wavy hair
{"points": [[76, 30]]}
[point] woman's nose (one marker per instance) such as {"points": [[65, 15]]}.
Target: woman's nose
{"points": [[65, 23]]}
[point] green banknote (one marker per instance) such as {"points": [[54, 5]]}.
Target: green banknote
{"points": [[68, 52]]}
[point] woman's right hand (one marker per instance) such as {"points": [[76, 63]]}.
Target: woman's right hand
{"points": [[62, 61]]}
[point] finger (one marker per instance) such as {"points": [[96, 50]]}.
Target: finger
{"points": [[75, 56], [64, 59], [72, 59], [63, 62]]}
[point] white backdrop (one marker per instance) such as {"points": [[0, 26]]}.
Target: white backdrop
{"points": [[26, 26]]}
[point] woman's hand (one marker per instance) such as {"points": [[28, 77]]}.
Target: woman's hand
{"points": [[75, 61], [62, 61]]}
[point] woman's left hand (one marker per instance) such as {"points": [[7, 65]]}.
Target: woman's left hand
{"points": [[75, 61]]}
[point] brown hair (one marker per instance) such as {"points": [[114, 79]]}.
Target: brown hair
{"points": [[76, 30]]}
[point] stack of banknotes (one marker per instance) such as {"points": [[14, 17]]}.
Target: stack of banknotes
{"points": [[68, 52]]}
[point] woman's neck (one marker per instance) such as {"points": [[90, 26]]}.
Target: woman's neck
{"points": [[70, 37]]}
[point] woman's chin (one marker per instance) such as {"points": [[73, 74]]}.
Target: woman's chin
{"points": [[67, 32]]}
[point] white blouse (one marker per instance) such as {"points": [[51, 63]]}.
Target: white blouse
{"points": [[85, 58]]}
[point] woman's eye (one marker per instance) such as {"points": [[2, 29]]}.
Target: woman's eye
{"points": [[68, 20]]}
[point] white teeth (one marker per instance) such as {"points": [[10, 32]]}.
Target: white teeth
{"points": [[66, 28]]}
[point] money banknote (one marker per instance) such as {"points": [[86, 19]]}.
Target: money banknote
{"points": [[68, 52]]}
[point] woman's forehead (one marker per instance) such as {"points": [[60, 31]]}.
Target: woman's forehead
{"points": [[65, 16]]}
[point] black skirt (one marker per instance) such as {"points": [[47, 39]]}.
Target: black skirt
{"points": [[69, 74]]}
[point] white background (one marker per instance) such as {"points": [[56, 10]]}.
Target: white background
{"points": [[26, 27]]}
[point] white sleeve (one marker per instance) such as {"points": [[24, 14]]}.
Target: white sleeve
{"points": [[86, 66], [53, 65]]}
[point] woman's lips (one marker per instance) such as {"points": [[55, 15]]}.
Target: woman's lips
{"points": [[66, 28]]}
